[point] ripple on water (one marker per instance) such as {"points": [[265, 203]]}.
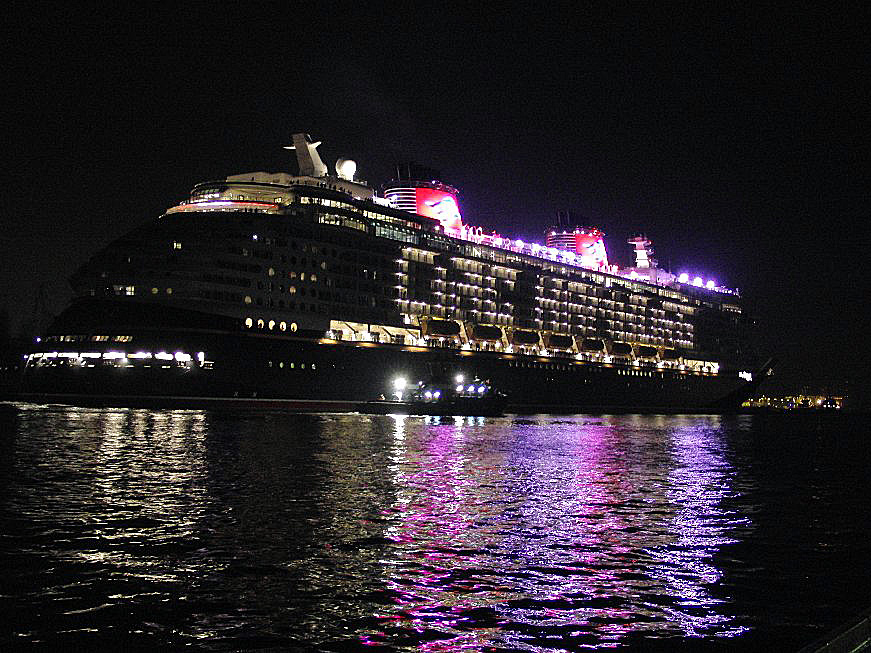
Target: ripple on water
{"points": [[161, 529]]}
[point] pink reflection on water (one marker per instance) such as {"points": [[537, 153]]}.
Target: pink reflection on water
{"points": [[597, 527]]}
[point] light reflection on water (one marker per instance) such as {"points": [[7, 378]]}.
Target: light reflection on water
{"points": [[166, 528], [579, 526]]}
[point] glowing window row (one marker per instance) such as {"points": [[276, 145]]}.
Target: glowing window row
{"points": [[290, 365], [271, 325]]}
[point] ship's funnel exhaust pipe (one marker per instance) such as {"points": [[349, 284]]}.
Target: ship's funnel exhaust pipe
{"points": [[310, 164]]}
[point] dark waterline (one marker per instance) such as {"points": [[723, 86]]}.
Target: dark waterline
{"points": [[143, 529]]}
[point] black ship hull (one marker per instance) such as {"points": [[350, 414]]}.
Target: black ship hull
{"points": [[309, 374]]}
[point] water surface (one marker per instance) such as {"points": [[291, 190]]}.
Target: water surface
{"points": [[142, 529]]}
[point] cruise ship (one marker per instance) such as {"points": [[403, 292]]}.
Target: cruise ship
{"points": [[315, 291]]}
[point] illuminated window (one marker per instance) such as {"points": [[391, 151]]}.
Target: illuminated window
{"points": [[314, 278], [248, 299], [169, 291], [302, 276], [291, 290], [282, 325], [260, 324], [271, 272], [176, 244], [249, 322], [154, 291], [271, 324], [293, 327]]}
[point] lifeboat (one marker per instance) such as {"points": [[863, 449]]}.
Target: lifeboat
{"points": [[646, 351], [621, 349], [558, 341], [593, 345], [441, 328], [485, 332], [521, 337]]}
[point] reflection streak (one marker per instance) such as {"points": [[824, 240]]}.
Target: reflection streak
{"points": [[590, 529]]}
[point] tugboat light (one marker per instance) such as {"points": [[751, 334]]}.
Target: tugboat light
{"points": [[481, 389], [399, 383], [436, 394], [427, 394], [459, 388], [459, 379], [471, 388]]}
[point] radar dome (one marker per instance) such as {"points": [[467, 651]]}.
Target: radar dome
{"points": [[346, 168]]}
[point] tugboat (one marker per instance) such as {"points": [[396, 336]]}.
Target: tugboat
{"points": [[440, 396]]}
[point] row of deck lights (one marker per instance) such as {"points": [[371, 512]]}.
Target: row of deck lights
{"points": [[571, 258], [698, 282], [121, 356]]}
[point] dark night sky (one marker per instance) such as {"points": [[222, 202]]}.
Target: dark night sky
{"points": [[736, 140]]}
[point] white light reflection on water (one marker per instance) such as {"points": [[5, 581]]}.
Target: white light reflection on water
{"points": [[148, 476], [588, 528], [699, 481]]}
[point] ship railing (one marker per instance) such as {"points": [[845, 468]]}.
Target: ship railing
{"points": [[566, 257]]}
